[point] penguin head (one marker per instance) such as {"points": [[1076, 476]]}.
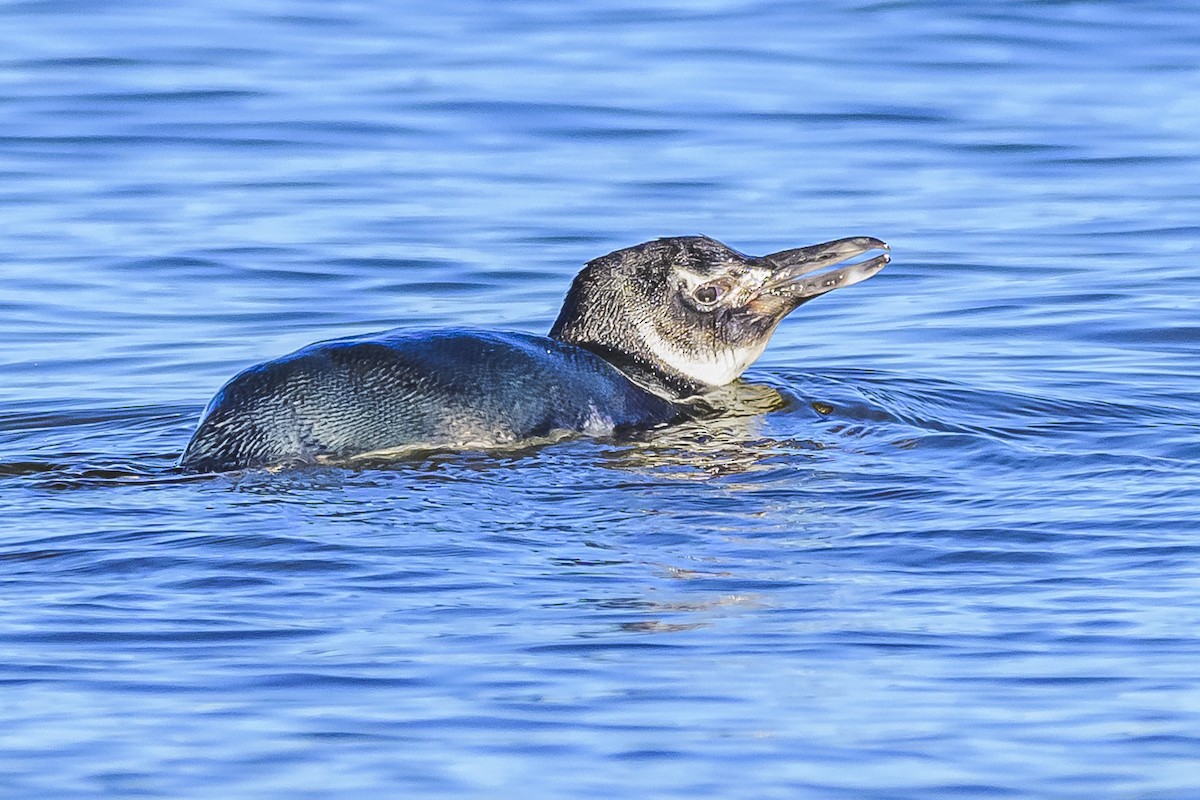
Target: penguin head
{"points": [[687, 314]]}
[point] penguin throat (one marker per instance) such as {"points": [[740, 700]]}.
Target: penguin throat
{"points": [[707, 367]]}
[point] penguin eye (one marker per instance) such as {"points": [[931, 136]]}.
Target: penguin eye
{"points": [[708, 293]]}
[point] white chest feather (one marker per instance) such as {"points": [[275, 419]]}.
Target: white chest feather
{"points": [[714, 367]]}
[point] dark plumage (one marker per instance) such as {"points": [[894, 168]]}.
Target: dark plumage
{"points": [[397, 389]]}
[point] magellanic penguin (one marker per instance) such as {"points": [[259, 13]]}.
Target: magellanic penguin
{"points": [[644, 334]]}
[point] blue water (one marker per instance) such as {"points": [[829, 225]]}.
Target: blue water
{"points": [[963, 562]]}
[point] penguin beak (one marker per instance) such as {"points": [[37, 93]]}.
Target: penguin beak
{"points": [[800, 275]]}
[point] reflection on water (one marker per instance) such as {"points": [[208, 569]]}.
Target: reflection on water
{"points": [[723, 442]]}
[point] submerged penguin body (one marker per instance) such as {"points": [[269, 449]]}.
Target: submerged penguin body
{"points": [[403, 389], [645, 333]]}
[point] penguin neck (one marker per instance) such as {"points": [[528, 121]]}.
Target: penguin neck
{"points": [[611, 342], [650, 375]]}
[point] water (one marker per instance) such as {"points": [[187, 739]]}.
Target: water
{"points": [[962, 562]]}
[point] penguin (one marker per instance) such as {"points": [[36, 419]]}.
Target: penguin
{"points": [[645, 335]]}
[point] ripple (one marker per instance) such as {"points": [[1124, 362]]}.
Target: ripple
{"points": [[950, 550]]}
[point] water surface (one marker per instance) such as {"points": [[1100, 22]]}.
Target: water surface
{"points": [[962, 560]]}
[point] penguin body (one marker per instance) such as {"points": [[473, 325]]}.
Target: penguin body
{"points": [[445, 389]]}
